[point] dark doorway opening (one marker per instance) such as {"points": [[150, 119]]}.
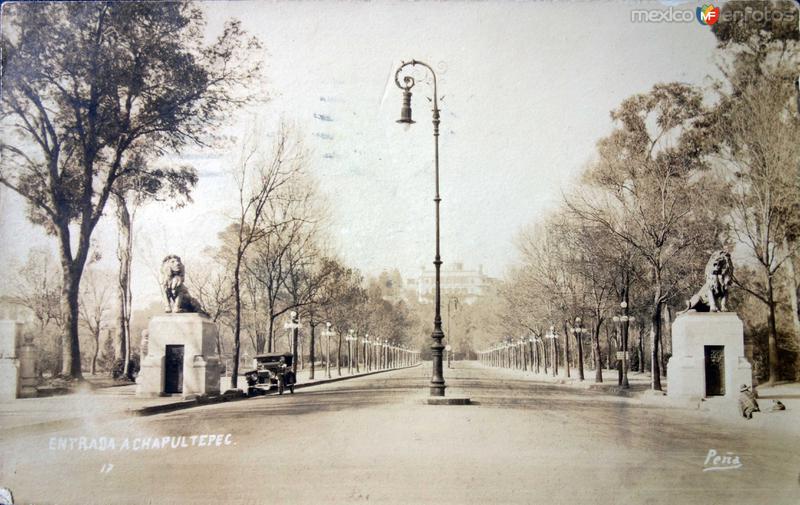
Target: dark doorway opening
{"points": [[173, 369], [715, 370]]}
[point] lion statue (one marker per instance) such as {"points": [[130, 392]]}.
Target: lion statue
{"points": [[176, 295], [713, 296]]}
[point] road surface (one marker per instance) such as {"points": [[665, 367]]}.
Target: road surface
{"points": [[373, 440]]}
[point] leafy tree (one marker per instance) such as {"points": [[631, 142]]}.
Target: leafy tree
{"points": [[89, 89], [758, 119], [650, 169]]}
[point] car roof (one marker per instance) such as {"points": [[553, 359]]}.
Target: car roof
{"points": [[274, 355]]}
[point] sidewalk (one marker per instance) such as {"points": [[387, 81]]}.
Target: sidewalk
{"points": [[639, 382], [718, 409], [94, 406]]}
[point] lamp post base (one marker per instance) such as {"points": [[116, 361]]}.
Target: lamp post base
{"points": [[448, 401], [437, 386], [437, 389]]}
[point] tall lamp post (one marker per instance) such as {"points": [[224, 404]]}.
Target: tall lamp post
{"points": [[350, 339], [578, 330], [437, 385], [553, 337], [364, 353], [452, 300], [294, 326], [327, 334], [622, 321], [540, 358]]}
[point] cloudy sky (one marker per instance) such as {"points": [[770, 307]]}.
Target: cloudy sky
{"points": [[527, 88]]}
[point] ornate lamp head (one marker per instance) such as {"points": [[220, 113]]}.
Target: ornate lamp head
{"points": [[405, 110]]}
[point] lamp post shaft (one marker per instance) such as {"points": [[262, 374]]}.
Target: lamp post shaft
{"points": [[328, 352], [437, 378], [625, 383], [437, 385]]}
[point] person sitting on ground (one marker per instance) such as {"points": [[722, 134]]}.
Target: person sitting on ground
{"points": [[777, 405], [747, 402]]}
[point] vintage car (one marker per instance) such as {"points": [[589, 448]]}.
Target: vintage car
{"points": [[270, 369]]}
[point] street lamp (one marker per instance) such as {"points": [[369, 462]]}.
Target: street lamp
{"points": [[541, 358], [327, 333], [534, 354], [553, 337], [365, 358], [294, 326], [623, 320], [578, 330], [454, 302], [350, 338], [437, 385]]}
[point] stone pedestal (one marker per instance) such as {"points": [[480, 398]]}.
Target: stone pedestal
{"points": [[10, 332], [28, 378], [197, 335], [694, 335]]}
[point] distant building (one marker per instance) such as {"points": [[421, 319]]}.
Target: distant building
{"points": [[456, 282]]}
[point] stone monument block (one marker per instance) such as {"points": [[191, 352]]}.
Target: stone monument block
{"points": [[708, 357], [181, 357], [10, 338], [10, 335]]}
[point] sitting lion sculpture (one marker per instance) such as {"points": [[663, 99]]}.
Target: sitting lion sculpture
{"points": [[713, 296], [176, 295]]}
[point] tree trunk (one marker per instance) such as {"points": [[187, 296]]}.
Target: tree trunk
{"points": [[96, 336], [122, 344], [237, 324], [566, 348], [271, 335], [295, 351], [666, 338], [791, 274], [71, 362], [772, 342], [339, 353], [655, 338], [579, 339], [598, 360], [311, 354]]}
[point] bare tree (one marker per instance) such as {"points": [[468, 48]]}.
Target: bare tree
{"points": [[211, 285], [259, 177], [37, 287], [95, 304], [762, 143]]}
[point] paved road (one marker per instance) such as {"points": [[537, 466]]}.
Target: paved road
{"points": [[372, 440]]}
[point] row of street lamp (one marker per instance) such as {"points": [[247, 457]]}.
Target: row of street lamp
{"points": [[533, 353], [372, 353]]}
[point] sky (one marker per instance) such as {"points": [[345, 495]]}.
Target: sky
{"points": [[527, 88]]}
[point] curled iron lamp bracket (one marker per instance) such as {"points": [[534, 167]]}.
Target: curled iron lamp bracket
{"points": [[410, 82]]}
